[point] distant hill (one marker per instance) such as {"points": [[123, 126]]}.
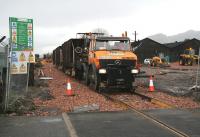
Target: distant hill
{"points": [[162, 38]]}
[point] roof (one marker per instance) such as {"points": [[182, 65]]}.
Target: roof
{"points": [[175, 44], [135, 44], [168, 45], [148, 39]]}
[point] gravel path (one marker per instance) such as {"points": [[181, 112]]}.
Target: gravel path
{"points": [[86, 98], [179, 102]]}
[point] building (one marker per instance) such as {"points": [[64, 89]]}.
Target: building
{"points": [[178, 48], [148, 48]]}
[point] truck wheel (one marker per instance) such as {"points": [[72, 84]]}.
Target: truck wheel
{"points": [[94, 78], [76, 74], [190, 62], [85, 77], [132, 89]]}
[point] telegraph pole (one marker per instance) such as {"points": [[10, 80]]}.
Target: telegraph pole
{"points": [[135, 36]]}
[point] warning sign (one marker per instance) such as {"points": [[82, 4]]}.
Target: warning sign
{"points": [[23, 56], [19, 68], [21, 32]]}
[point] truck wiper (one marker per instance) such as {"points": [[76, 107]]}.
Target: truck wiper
{"points": [[114, 49]]}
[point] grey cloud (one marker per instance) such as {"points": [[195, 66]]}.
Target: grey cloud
{"points": [[67, 12]]}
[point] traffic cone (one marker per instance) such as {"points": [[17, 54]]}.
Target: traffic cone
{"points": [[151, 86], [69, 91], [41, 73]]}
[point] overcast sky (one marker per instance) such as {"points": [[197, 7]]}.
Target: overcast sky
{"points": [[55, 21]]}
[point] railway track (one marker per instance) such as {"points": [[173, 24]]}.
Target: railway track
{"points": [[126, 103], [155, 101]]}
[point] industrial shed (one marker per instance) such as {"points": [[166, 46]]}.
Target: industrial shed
{"points": [[178, 48], [148, 48]]}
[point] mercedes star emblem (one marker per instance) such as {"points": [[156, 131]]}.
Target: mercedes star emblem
{"points": [[117, 62]]}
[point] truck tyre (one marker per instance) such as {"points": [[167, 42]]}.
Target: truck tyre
{"points": [[131, 89], [85, 77], [190, 62], [78, 74], [94, 78]]}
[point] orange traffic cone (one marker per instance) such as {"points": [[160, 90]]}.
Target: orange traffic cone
{"points": [[151, 86], [69, 91]]}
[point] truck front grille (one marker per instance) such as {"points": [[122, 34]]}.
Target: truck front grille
{"points": [[105, 62]]}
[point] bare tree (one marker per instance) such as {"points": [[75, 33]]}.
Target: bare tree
{"points": [[101, 30]]}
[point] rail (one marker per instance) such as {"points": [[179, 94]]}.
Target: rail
{"points": [[149, 117], [155, 101]]}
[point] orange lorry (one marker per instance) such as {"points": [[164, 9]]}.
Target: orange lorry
{"points": [[101, 61]]}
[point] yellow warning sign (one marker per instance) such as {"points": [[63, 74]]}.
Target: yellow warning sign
{"points": [[23, 56], [19, 68], [22, 68]]}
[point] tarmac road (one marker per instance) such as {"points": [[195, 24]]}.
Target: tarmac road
{"points": [[21, 126], [101, 124]]}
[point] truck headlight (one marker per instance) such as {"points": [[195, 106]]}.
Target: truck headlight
{"points": [[134, 71], [102, 71]]}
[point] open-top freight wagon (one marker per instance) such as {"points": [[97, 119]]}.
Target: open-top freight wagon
{"points": [[57, 57], [98, 61]]}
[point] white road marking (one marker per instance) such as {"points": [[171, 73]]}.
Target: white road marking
{"points": [[69, 125]]}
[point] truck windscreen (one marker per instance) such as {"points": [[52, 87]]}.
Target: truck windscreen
{"points": [[112, 45]]}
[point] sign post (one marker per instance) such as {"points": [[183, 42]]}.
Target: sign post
{"points": [[21, 53]]}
